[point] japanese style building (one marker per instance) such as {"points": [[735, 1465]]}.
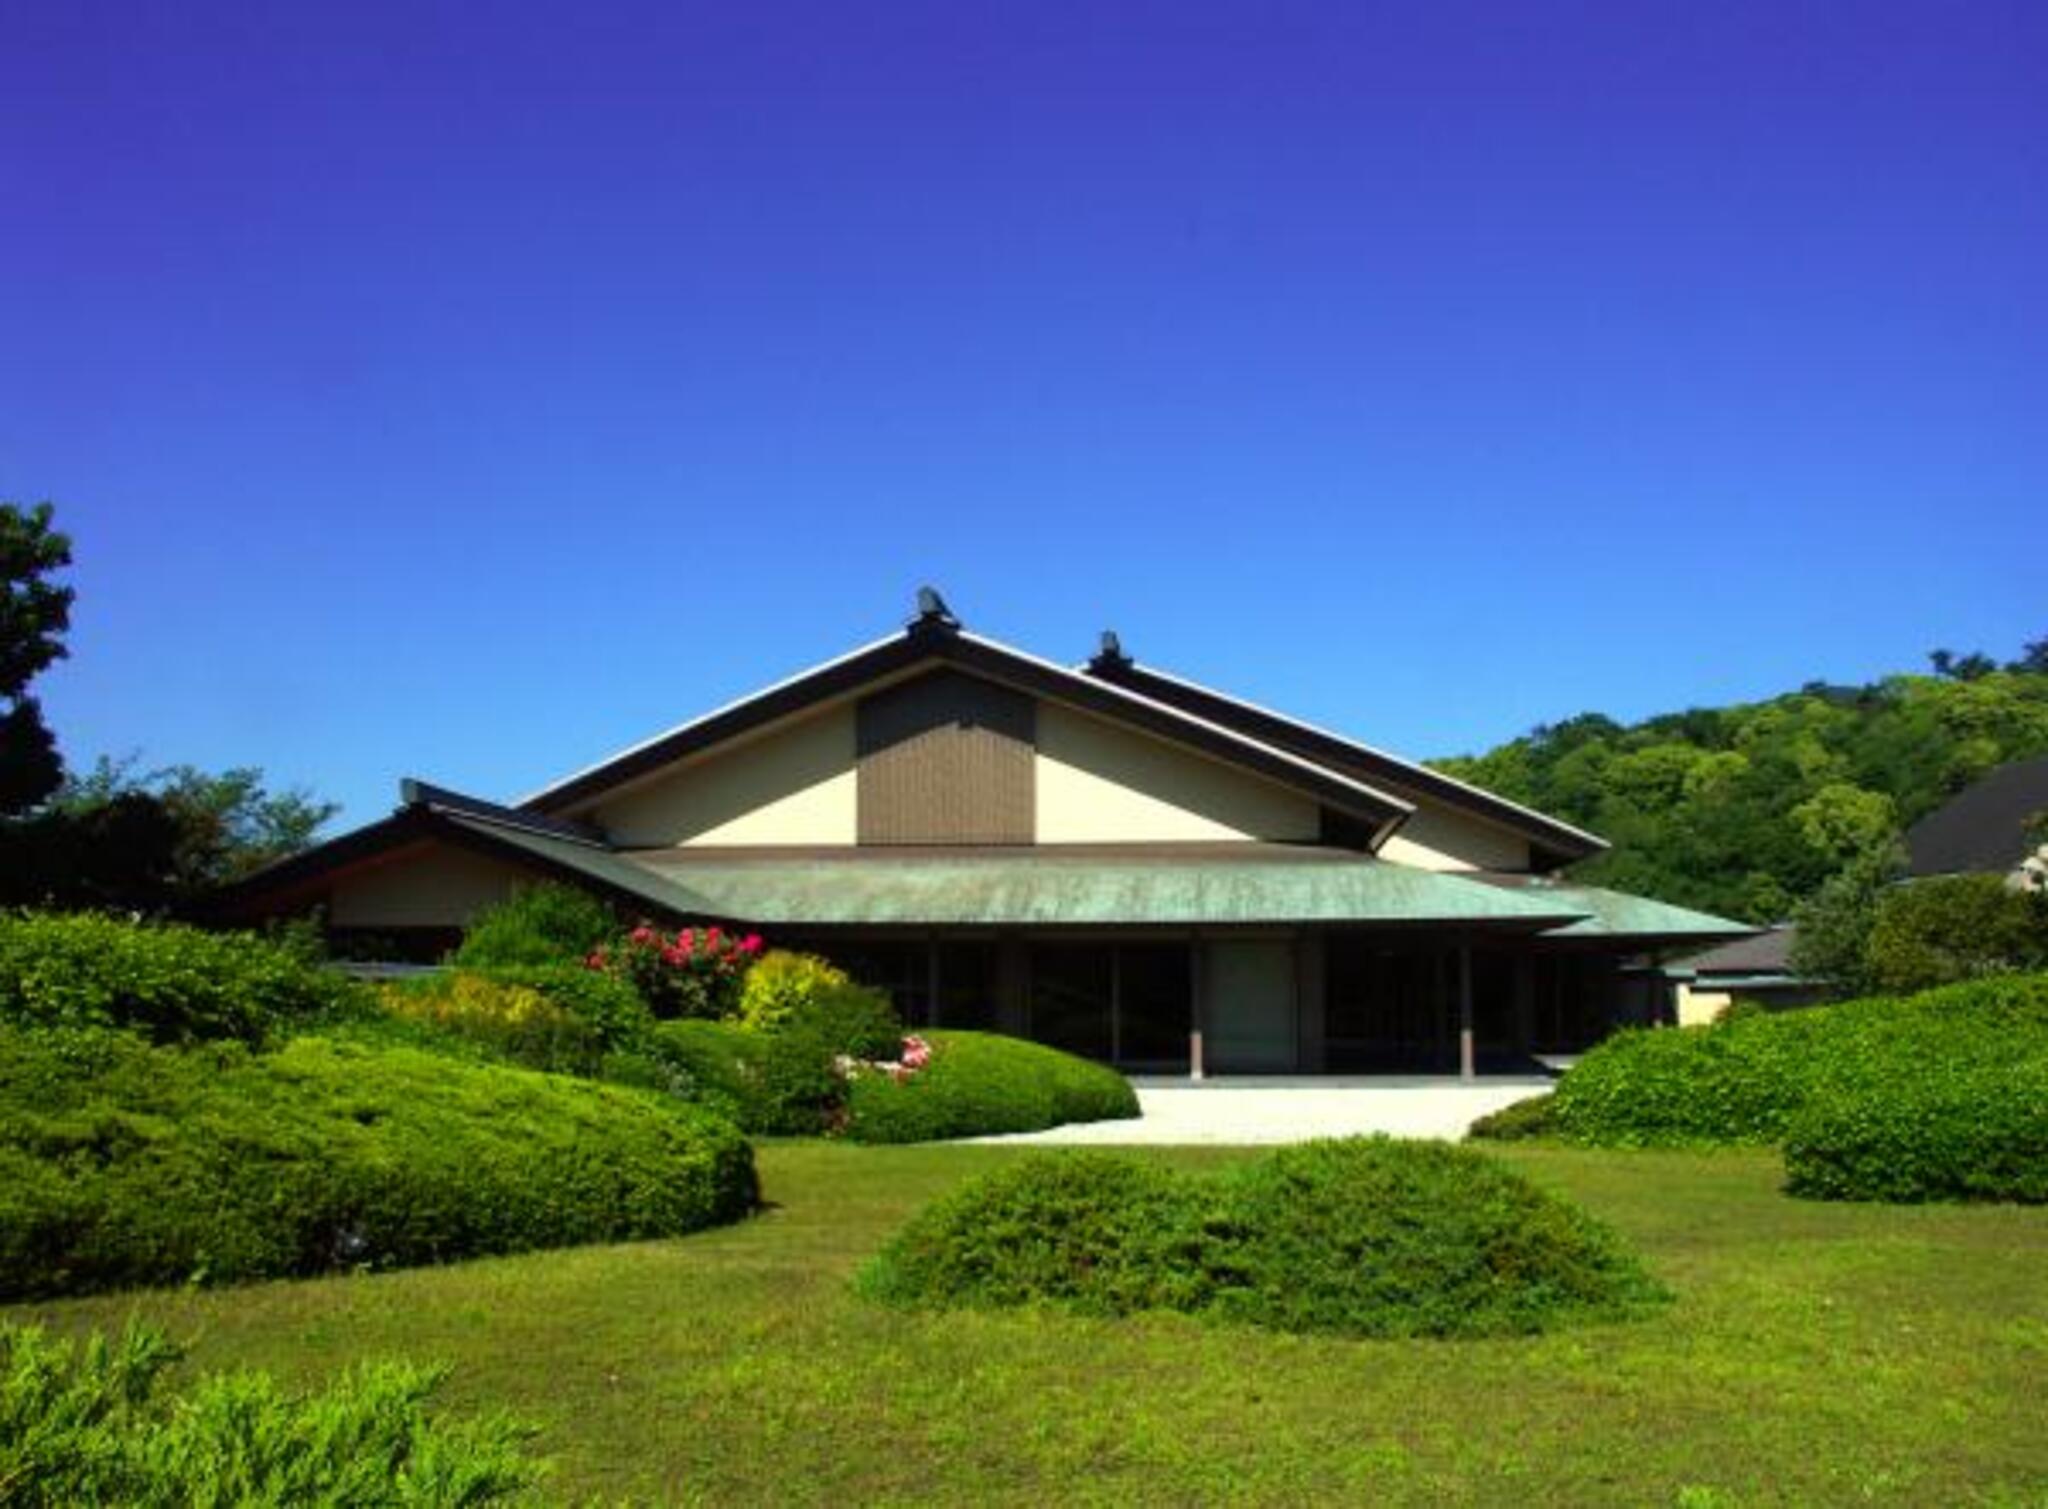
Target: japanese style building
{"points": [[1105, 857]]}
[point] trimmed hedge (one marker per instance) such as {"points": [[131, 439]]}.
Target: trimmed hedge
{"points": [[1944, 1136], [90, 1424], [1362, 1237], [564, 1019], [979, 1084], [124, 1164], [1518, 1121], [176, 984], [1748, 1077]]}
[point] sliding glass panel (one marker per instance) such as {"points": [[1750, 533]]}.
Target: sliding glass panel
{"points": [[1155, 998], [967, 986], [1071, 994]]}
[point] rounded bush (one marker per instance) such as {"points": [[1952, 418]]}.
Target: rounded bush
{"points": [[536, 925], [1946, 1136], [1363, 1237], [981, 1084], [512, 1021], [124, 1164], [176, 984], [781, 984]]}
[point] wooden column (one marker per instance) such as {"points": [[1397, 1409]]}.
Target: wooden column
{"points": [[1196, 1013], [1467, 1068]]}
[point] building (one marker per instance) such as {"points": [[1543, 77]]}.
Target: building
{"points": [[1103, 857], [1753, 971], [1998, 826]]}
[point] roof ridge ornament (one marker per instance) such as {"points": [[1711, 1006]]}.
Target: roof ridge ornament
{"points": [[932, 612], [1110, 656]]}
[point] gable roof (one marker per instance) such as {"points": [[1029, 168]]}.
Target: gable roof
{"points": [[1559, 841], [935, 640], [1982, 829]]}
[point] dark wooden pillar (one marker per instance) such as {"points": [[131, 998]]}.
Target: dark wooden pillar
{"points": [[1468, 1068], [1197, 1008]]}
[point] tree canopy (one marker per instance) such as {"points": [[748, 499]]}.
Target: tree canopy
{"points": [[35, 612], [1745, 810]]}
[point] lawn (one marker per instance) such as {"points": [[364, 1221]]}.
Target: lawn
{"points": [[1830, 1353]]}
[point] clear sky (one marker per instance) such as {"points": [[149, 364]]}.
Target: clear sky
{"points": [[466, 391]]}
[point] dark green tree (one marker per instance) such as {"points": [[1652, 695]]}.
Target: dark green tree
{"points": [[35, 612]]}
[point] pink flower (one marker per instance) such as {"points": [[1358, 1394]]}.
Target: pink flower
{"points": [[751, 943], [643, 934]]}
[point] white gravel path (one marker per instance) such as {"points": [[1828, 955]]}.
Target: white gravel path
{"points": [[1239, 1112]]}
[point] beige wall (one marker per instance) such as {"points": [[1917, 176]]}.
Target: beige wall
{"points": [[1100, 783], [1434, 838], [793, 785], [1696, 1008], [432, 885]]}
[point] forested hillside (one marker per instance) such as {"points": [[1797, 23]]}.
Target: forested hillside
{"points": [[1744, 810]]}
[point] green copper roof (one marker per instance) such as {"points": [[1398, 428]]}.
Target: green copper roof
{"points": [[1206, 888], [1045, 891], [1616, 914]]}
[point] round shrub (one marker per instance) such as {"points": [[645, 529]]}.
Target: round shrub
{"points": [[539, 924], [781, 984], [1372, 1237], [981, 1084], [124, 1164], [512, 1021], [176, 984], [1946, 1136], [1364, 1237], [1099, 1233]]}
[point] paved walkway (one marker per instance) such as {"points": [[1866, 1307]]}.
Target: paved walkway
{"points": [[1244, 1111]]}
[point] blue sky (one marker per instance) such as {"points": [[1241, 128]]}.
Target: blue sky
{"points": [[468, 391]]}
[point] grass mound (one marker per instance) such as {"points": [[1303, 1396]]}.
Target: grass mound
{"points": [[979, 1084], [90, 1424], [1750, 1077], [1361, 1237], [124, 1164]]}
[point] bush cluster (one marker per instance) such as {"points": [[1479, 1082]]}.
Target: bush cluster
{"points": [[91, 1423], [1363, 1237], [1974, 1135], [124, 1164], [1748, 1077], [781, 984], [980, 1084], [540, 924], [175, 984]]}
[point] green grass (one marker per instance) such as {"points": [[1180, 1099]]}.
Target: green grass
{"points": [[1816, 1353]]}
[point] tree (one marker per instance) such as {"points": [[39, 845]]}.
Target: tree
{"points": [[34, 614], [1954, 927], [221, 827], [2033, 658], [1833, 926]]}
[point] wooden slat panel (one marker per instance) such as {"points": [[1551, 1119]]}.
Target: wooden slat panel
{"points": [[947, 759]]}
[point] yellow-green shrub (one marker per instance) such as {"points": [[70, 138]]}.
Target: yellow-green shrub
{"points": [[514, 1021], [781, 984]]}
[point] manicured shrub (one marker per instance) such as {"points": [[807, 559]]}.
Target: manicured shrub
{"points": [[540, 924], [175, 984], [1535, 1116], [980, 1084], [1979, 1135], [1097, 1232], [1363, 1237], [91, 1423], [124, 1164], [512, 1021], [694, 972], [1744, 1079], [781, 984]]}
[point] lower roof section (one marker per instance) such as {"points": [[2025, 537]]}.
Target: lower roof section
{"points": [[1214, 886], [1617, 914]]}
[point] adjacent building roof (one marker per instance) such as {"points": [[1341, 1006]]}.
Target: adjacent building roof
{"points": [[1766, 953], [1984, 828]]}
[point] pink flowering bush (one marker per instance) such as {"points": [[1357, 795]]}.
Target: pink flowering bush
{"points": [[915, 1055], [693, 972]]}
